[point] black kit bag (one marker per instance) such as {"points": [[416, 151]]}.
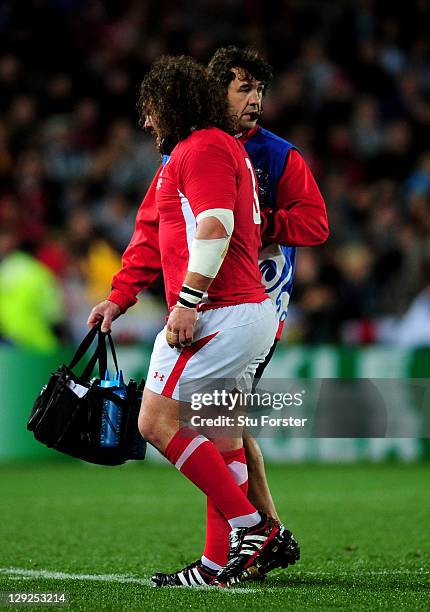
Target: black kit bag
{"points": [[67, 415]]}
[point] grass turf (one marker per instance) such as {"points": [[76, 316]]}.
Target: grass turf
{"points": [[364, 531]]}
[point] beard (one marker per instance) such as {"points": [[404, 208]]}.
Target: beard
{"points": [[255, 116], [165, 145]]}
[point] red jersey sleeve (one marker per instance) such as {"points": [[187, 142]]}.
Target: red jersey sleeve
{"points": [[300, 218], [208, 178], [141, 263]]}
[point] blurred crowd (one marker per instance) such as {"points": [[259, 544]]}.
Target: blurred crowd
{"points": [[352, 92]]}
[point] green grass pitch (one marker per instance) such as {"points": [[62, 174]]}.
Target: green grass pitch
{"points": [[99, 533]]}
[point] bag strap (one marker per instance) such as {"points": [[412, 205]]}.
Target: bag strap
{"points": [[84, 346], [113, 352], [100, 356], [100, 353]]}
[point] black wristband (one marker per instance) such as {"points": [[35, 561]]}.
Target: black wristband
{"points": [[185, 303], [190, 297]]}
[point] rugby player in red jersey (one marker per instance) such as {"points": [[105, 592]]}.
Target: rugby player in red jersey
{"points": [[293, 215], [221, 323]]}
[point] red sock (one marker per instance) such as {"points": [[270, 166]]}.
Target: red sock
{"points": [[201, 462], [217, 528]]}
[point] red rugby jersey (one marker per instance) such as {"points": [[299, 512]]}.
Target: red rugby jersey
{"points": [[210, 169], [296, 221]]}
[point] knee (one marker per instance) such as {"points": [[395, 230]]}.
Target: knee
{"points": [[148, 429], [158, 420], [155, 431]]}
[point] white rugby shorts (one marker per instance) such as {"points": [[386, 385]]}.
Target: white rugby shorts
{"points": [[228, 344]]}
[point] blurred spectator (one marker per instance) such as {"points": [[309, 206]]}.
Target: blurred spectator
{"points": [[21, 121], [396, 159], [367, 129], [64, 161], [418, 183], [413, 328], [126, 162], [115, 218], [5, 154], [31, 308], [11, 81]]}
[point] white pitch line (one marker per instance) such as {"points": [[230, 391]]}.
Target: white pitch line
{"points": [[28, 573], [17, 573]]}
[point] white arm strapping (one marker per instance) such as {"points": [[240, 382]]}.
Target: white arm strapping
{"points": [[206, 256], [224, 215]]}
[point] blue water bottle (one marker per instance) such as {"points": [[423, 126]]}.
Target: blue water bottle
{"points": [[112, 412]]}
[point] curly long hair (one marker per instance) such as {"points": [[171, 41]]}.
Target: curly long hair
{"points": [[181, 96], [248, 59]]}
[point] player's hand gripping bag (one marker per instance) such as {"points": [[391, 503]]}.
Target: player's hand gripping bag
{"points": [[94, 420]]}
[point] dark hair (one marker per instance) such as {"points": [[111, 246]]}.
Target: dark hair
{"points": [[182, 96], [248, 59]]}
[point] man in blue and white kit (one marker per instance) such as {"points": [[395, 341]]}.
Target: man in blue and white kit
{"points": [[293, 214]]}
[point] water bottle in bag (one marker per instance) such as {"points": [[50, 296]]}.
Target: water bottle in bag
{"points": [[112, 412]]}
